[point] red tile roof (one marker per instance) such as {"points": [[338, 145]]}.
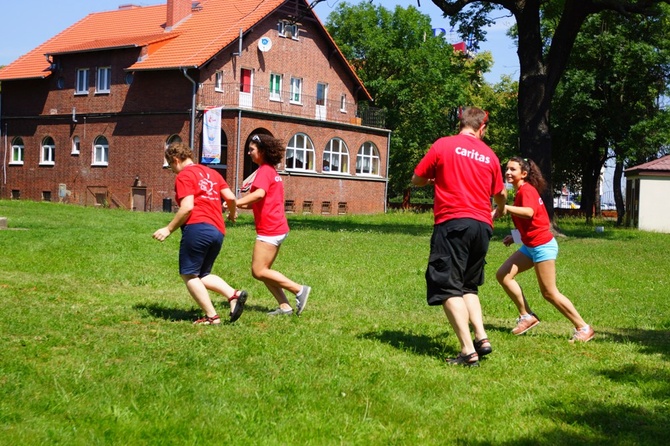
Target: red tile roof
{"points": [[128, 24], [212, 26], [659, 165]]}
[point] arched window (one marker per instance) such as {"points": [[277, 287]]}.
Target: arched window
{"points": [[17, 151], [171, 139], [367, 159], [336, 157], [48, 154], [300, 153], [100, 151]]}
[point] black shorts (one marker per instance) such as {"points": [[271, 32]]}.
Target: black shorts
{"points": [[457, 257]]}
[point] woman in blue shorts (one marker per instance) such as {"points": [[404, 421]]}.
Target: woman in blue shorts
{"points": [[539, 251], [199, 191]]}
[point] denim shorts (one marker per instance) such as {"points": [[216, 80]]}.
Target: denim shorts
{"points": [[200, 245], [548, 251]]}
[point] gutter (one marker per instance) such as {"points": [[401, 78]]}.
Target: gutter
{"points": [[239, 150], [195, 90]]}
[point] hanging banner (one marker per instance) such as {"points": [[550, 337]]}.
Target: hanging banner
{"points": [[211, 141]]}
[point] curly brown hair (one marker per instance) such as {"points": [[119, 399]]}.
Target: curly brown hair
{"points": [[179, 150], [271, 149], [534, 173]]}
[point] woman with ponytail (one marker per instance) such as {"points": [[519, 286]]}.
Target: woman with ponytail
{"points": [[538, 250]]}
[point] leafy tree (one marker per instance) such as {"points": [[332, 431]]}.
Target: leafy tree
{"points": [[542, 61], [608, 99], [416, 77]]}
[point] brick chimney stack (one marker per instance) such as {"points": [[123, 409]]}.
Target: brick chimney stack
{"points": [[177, 10]]}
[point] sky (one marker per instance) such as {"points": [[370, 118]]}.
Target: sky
{"points": [[28, 23]]}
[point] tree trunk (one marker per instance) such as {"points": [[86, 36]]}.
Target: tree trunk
{"points": [[618, 196]]}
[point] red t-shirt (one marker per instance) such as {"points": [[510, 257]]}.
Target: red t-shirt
{"points": [[205, 185], [534, 231], [467, 174], [269, 211]]}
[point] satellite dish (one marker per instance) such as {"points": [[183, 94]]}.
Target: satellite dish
{"points": [[265, 44]]}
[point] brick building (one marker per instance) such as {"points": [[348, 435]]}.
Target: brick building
{"points": [[85, 117]]}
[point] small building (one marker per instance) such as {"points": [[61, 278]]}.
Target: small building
{"points": [[86, 116], [647, 192]]}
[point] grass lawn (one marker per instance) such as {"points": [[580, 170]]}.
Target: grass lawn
{"points": [[98, 347]]}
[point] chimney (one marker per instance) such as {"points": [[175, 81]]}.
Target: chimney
{"points": [[177, 10]]}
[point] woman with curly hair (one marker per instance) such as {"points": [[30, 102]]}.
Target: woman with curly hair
{"points": [[266, 198], [539, 250], [199, 191]]}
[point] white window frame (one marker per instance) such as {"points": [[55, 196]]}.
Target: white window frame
{"points": [[100, 152], [336, 149], [284, 27], [343, 103], [300, 148], [367, 160], [48, 152], [275, 87], [103, 80], [76, 145], [296, 90], [218, 81], [295, 31], [18, 151], [81, 84]]}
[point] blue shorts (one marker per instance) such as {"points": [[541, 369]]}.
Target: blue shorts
{"points": [[199, 247], [548, 251]]}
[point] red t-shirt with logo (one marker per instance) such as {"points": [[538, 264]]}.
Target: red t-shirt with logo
{"points": [[467, 174], [205, 185], [534, 231], [269, 211]]}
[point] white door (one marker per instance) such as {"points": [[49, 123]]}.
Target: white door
{"points": [[321, 99]]}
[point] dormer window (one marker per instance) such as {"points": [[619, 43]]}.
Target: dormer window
{"points": [[288, 29]]}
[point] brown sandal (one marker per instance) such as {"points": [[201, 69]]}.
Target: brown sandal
{"points": [[483, 347], [208, 320], [471, 360]]}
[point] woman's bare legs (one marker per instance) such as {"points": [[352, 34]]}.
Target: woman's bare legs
{"points": [[546, 278], [261, 262], [515, 264]]}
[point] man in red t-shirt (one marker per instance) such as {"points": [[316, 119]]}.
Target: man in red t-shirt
{"points": [[198, 191], [466, 173]]}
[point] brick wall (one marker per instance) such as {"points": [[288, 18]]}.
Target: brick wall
{"points": [[145, 108]]}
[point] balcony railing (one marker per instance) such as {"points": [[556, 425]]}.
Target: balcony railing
{"points": [[262, 100]]}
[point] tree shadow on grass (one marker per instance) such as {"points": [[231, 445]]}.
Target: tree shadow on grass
{"points": [[651, 341], [344, 224]]}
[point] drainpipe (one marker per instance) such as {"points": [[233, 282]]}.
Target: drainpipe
{"points": [[195, 89], [388, 161], [4, 158], [239, 150]]}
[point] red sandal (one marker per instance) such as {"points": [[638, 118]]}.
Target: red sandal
{"points": [[241, 297], [208, 320]]}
